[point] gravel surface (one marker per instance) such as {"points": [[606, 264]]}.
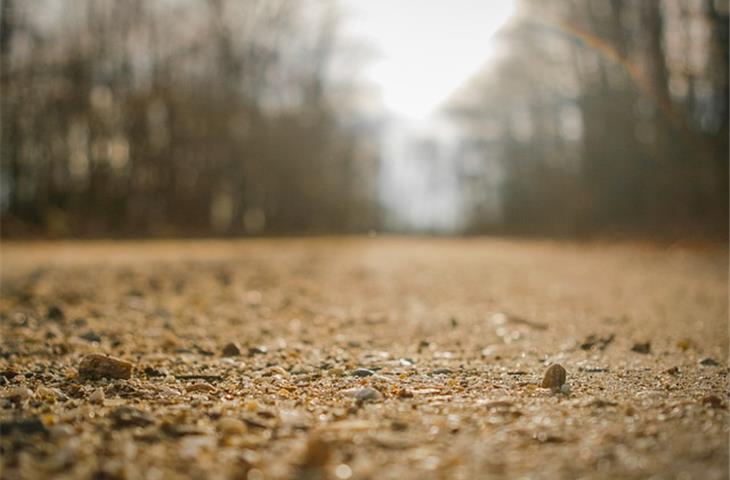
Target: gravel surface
{"points": [[363, 358]]}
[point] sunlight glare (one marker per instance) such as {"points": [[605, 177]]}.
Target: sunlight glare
{"points": [[427, 48]]}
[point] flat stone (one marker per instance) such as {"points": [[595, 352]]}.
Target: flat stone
{"points": [[442, 371], [200, 387], [90, 336], [709, 362], [641, 348], [363, 394], [260, 350], [95, 366]]}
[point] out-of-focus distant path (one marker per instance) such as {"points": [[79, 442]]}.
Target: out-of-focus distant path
{"points": [[488, 314], [572, 286]]}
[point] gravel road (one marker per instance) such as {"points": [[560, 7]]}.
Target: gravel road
{"points": [[357, 358]]}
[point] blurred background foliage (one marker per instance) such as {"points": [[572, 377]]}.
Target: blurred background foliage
{"points": [[222, 117], [604, 116], [176, 118]]}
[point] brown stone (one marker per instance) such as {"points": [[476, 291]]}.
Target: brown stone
{"points": [[231, 350], [554, 377], [95, 366]]}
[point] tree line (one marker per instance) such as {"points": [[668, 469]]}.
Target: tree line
{"points": [[223, 117], [189, 118], [602, 117]]}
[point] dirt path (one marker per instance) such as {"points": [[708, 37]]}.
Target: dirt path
{"points": [[451, 338]]}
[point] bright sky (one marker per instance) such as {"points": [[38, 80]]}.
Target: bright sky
{"points": [[427, 48]]}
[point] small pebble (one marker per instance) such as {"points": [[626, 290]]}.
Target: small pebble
{"points": [[363, 394], [153, 372], [709, 362], [97, 396], [90, 336], [200, 387], [231, 350], [276, 370], [95, 366], [362, 372], [596, 341], [554, 377], [642, 348], [404, 393], [55, 313], [260, 350], [713, 401]]}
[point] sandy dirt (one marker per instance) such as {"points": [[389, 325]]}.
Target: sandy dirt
{"points": [[363, 358]]}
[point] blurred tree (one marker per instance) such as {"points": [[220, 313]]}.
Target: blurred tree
{"points": [[176, 118], [606, 117]]}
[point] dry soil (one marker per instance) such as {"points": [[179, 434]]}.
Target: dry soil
{"points": [[364, 358]]}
